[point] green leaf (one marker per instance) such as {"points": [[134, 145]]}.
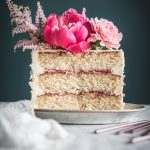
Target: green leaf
{"points": [[96, 45]]}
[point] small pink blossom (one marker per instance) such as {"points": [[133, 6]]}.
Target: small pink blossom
{"points": [[106, 32], [69, 31], [39, 15]]}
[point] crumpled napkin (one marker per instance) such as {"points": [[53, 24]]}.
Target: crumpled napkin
{"points": [[21, 129]]}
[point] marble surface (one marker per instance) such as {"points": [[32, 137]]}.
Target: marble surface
{"points": [[83, 137]]}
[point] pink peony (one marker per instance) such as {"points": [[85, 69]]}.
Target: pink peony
{"points": [[69, 31], [106, 32]]}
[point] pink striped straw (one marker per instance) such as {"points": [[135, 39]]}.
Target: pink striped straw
{"points": [[140, 139], [137, 127], [146, 132], [141, 128], [118, 127]]}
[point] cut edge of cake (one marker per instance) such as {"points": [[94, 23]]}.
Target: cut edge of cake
{"points": [[38, 69]]}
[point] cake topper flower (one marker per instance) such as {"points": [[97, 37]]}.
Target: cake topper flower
{"points": [[70, 31], [105, 34]]}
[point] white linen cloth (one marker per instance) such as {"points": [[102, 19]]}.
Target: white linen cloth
{"points": [[20, 129]]}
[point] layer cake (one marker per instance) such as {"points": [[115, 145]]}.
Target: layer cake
{"points": [[76, 64], [87, 81]]}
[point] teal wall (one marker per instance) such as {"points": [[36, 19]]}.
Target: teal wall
{"points": [[133, 20]]}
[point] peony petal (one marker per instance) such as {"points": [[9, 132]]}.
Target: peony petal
{"points": [[51, 26], [71, 15], [88, 26], [52, 20], [60, 22], [111, 45], [80, 32], [94, 37], [83, 13], [79, 48], [120, 36], [48, 36], [64, 37]]}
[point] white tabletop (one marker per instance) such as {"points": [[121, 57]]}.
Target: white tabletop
{"points": [[87, 140]]}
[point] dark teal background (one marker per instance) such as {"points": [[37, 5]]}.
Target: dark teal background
{"points": [[133, 20]]}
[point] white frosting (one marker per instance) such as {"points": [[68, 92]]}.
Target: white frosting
{"points": [[36, 70], [119, 68]]}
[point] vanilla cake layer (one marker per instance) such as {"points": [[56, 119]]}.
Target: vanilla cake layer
{"points": [[58, 82], [95, 60], [85, 101]]}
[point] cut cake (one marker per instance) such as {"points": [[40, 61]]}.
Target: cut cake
{"points": [[87, 81], [76, 61]]}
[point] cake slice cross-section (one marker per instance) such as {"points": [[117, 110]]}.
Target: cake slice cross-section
{"points": [[91, 80]]}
